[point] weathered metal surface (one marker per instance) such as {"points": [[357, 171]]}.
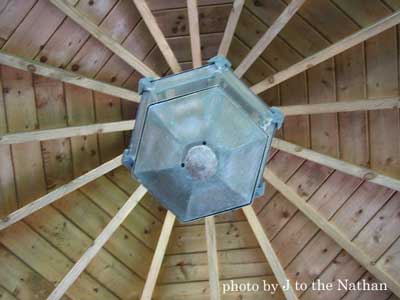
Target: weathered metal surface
{"points": [[201, 140]]}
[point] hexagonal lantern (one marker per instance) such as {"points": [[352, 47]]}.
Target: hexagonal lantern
{"points": [[201, 140]]}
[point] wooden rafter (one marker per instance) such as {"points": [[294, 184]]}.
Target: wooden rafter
{"points": [[98, 243], [345, 106], [66, 76], [60, 192], [268, 36], [269, 252], [158, 257], [327, 53], [157, 34], [194, 29], [332, 231], [231, 27], [81, 19], [290, 110], [59, 133], [337, 164], [213, 273]]}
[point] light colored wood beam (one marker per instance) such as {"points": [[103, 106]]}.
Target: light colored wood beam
{"points": [[158, 257], [269, 252], [332, 231], [268, 36], [98, 243], [230, 28], [345, 106], [158, 35], [81, 19], [212, 255], [337, 164], [194, 29], [60, 192], [59, 133], [66, 76], [291, 110], [327, 53]]}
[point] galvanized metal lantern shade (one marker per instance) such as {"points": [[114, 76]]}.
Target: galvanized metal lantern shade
{"points": [[201, 140]]}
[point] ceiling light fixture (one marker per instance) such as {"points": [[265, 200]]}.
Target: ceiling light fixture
{"points": [[201, 140]]}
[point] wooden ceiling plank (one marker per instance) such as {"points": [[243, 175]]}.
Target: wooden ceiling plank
{"points": [[9, 201], [60, 192], [194, 29], [231, 27], [212, 255], [119, 279], [337, 164], [158, 35], [252, 263], [269, 252], [332, 230], [59, 133], [66, 76], [122, 178], [141, 223], [268, 36], [337, 107], [98, 244], [289, 110], [99, 34], [158, 257], [339, 47], [128, 248]]}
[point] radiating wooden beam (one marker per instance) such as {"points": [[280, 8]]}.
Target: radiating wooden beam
{"points": [[60, 192], [98, 243], [158, 257], [84, 21], [337, 164], [194, 29], [290, 110], [230, 28], [345, 106], [331, 230], [158, 35], [329, 52], [269, 252], [268, 36], [59, 133], [66, 76], [212, 255]]}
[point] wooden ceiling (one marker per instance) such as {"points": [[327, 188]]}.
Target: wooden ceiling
{"points": [[358, 213]]}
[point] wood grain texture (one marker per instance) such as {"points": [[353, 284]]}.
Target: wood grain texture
{"points": [[345, 106], [193, 15], [333, 231], [213, 268], [158, 35], [329, 52], [59, 192], [59, 133], [109, 42], [268, 36], [331, 162], [98, 243], [158, 257], [229, 32], [65, 76], [269, 253], [290, 110]]}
